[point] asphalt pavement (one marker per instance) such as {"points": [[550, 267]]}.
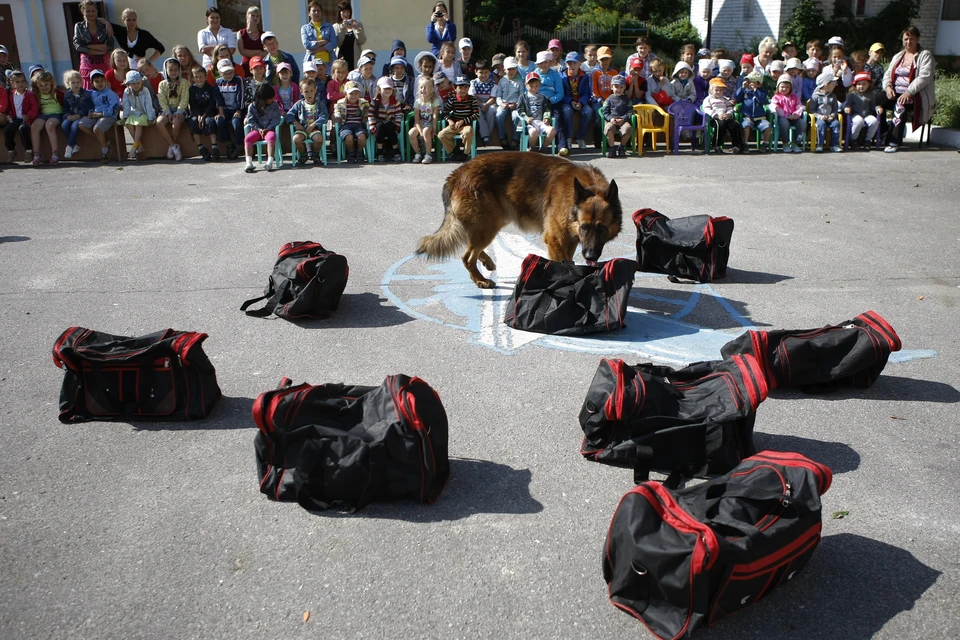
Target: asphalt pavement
{"points": [[156, 530]]}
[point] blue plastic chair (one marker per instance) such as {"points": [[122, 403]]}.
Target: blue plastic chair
{"points": [[262, 145], [473, 147], [295, 153], [369, 148]]}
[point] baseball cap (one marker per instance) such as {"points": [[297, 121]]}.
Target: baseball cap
{"points": [[395, 60], [133, 76], [573, 56], [544, 56], [224, 65], [284, 65], [439, 77], [267, 34], [554, 44], [604, 52], [778, 65], [385, 83], [704, 52], [364, 60], [863, 76], [466, 42], [510, 63], [350, 87], [636, 63], [33, 69], [309, 65], [618, 81], [461, 81], [532, 76], [794, 63], [718, 82], [835, 41], [877, 46], [368, 53], [255, 61], [3, 49], [96, 72], [499, 58]]}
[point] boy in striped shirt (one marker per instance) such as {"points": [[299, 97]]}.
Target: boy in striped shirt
{"points": [[461, 110]]}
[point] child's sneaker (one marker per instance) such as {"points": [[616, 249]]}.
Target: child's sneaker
{"points": [[581, 144], [397, 157], [417, 159], [819, 149], [563, 151], [177, 153], [170, 153], [620, 151], [381, 157], [105, 155], [835, 149], [270, 165], [735, 150], [486, 142], [427, 159], [68, 152], [249, 168], [54, 159], [232, 153], [764, 147], [11, 156], [36, 159], [301, 160], [317, 160], [132, 154], [611, 153], [204, 154], [215, 152]]}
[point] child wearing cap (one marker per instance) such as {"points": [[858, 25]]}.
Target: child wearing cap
{"points": [[555, 47], [644, 48], [5, 67], [426, 108], [509, 90], [51, 113], [682, 88], [174, 98], [726, 74], [746, 68], [468, 66], [811, 69], [576, 92], [309, 119], [288, 93], [496, 66], [460, 110], [794, 69], [789, 50], [403, 90], [770, 80], [825, 108], [721, 108], [351, 113], [206, 105], [603, 76], [753, 114], [484, 89], [874, 64], [106, 109], [702, 82], [590, 62], [138, 111], [425, 64], [444, 86], [616, 111], [77, 103], [230, 126], [263, 117], [636, 83], [790, 115], [861, 106], [397, 50], [384, 120], [534, 111]]}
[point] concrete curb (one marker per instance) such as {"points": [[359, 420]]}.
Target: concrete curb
{"points": [[939, 136]]}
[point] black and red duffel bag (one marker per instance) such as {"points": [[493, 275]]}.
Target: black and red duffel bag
{"points": [[852, 354], [160, 376], [566, 299], [696, 248], [306, 284], [694, 421], [678, 560], [346, 446]]}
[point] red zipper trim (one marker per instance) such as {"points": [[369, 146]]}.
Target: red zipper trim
{"points": [[823, 473], [783, 484], [401, 409], [753, 378], [58, 358], [771, 561], [297, 247], [881, 326], [708, 536], [614, 404], [270, 415], [640, 214], [190, 340], [526, 270]]}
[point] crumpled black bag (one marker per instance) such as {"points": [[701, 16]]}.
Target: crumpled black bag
{"points": [[566, 299], [851, 354], [307, 283], [695, 421], [695, 248], [335, 445]]}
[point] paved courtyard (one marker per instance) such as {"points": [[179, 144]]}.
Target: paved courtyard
{"points": [[153, 530]]}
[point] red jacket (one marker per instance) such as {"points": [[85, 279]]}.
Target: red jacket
{"points": [[3, 99], [31, 107]]}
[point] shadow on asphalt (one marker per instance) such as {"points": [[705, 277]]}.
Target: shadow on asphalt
{"points": [[739, 276], [4, 239], [840, 457], [230, 413], [475, 486], [360, 311], [886, 388], [852, 587]]}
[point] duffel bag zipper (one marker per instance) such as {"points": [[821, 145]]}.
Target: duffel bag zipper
{"points": [[823, 473]]}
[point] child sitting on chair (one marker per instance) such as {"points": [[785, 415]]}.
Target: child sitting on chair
{"points": [[77, 103], [461, 110], [721, 108], [509, 90], [811, 69], [682, 88], [385, 120], [263, 116], [702, 81], [726, 74], [534, 110], [616, 111], [206, 105], [861, 106], [426, 111], [753, 102], [106, 107], [351, 113], [484, 89], [138, 111], [790, 115], [309, 118], [825, 108]]}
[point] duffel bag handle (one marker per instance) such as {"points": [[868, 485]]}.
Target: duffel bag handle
{"points": [[274, 300]]}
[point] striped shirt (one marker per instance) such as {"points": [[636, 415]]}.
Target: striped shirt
{"points": [[468, 109], [348, 113], [380, 112]]}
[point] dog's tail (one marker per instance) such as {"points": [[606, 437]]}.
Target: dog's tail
{"points": [[451, 235]]}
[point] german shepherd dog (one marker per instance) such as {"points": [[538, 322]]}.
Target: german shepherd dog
{"points": [[568, 203]]}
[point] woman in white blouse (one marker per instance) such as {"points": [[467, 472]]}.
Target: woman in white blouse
{"points": [[213, 35]]}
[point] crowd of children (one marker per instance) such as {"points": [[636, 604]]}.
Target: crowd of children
{"points": [[449, 98]]}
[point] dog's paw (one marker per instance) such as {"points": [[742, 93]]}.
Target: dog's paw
{"points": [[485, 283]]}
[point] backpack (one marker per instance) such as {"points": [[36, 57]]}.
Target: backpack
{"points": [[562, 298], [160, 376], [680, 559], [852, 354], [694, 421], [306, 283], [695, 248], [346, 446]]}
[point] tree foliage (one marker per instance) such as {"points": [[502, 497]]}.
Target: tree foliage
{"points": [[808, 23], [551, 14]]}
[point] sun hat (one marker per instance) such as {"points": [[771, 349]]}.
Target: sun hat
{"points": [[255, 61], [225, 65], [309, 65], [554, 44], [133, 76], [350, 87], [785, 78], [618, 81], [604, 52], [510, 63], [726, 64], [812, 63], [863, 76], [544, 56], [284, 66], [825, 78], [466, 42], [754, 76], [531, 77], [573, 56], [680, 66], [421, 56], [369, 53], [778, 65], [267, 34], [794, 63], [385, 83]]}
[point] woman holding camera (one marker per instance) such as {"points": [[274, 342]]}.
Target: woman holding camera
{"points": [[350, 35], [440, 29]]}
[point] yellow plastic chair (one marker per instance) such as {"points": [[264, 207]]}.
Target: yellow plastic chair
{"points": [[812, 121], [644, 113]]}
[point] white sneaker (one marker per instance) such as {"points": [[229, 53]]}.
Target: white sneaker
{"points": [[11, 156], [76, 149], [891, 148], [68, 152], [132, 155], [427, 159], [177, 154], [169, 153], [270, 165]]}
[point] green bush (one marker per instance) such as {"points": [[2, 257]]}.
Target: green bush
{"points": [[948, 101], [669, 39], [807, 23]]}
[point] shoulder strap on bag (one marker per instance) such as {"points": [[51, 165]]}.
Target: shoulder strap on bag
{"points": [[274, 300]]}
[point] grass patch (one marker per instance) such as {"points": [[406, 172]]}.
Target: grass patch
{"points": [[947, 88]]}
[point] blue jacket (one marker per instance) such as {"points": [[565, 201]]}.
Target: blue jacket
{"points": [[268, 120], [106, 102], [272, 68], [551, 86], [435, 39], [80, 105], [299, 113], [233, 95], [809, 86], [309, 37], [753, 103], [584, 89]]}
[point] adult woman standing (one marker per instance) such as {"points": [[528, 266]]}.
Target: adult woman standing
{"points": [[440, 29], [213, 35], [93, 40], [350, 35], [318, 37], [136, 41], [248, 40], [765, 52], [908, 84]]}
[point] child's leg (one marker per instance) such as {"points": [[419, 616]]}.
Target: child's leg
{"points": [[175, 123], [391, 137], [736, 137], [162, 122], [68, 127], [361, 140], [765, 130], [348, 142], [821, 131], [251, 139], [427, 140], [271, 139], [856, 126], [466, 136], [835, 133], [414, 137], [317, 138], [9, 135], [872, 125], [610, 130], [137, 134], [52, 126], [101, 137], [551, 134], [36, 128], [747, 131], [299, 138], [626, 133], [534, 137], [194, 126], [446, 139]]}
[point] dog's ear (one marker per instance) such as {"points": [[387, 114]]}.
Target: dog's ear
{"points": [[580, 193], [612, 192]]}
